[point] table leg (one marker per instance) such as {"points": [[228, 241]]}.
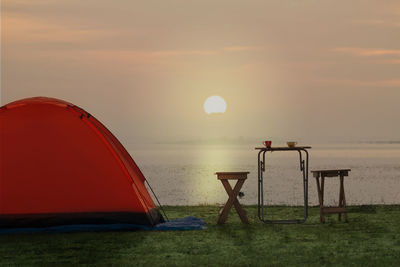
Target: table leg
{"points": [[261, 169], [262, 184], [259, 184], [304, 169]]}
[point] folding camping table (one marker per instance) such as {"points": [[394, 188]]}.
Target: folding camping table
{"points": [[261, 170]]}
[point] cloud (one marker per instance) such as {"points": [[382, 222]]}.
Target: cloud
{"points": [[240, 48], [391, 83], [361, 83], [50, 38], [168, 53], [378, 22], [370, 22], [144, 56], [365, 52], [22, 30]]}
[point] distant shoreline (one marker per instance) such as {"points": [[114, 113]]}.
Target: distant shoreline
{"points": [[256, 142]]}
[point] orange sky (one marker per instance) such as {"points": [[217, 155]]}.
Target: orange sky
{"points": [[313, 71]]}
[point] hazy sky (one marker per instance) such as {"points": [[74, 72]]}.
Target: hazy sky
{"points": [[312, 71]]}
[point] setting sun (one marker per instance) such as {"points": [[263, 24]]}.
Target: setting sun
{"points": [[214, 104]]}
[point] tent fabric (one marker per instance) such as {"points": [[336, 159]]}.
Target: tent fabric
{"points": [[184, 224], [60, 165]]}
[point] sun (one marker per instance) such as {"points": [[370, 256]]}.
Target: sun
{"points": [[214, 104]]}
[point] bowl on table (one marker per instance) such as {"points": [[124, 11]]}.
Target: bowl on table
{"points": [[291, 143]]}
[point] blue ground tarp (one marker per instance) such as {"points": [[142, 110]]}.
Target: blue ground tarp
{"points": [[187, 223]]}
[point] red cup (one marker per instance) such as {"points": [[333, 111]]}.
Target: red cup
{"points": [[267, 143]]}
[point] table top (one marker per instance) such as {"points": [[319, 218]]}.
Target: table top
{"points": [[282, 148]]}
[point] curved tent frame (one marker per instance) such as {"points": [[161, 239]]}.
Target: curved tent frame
{"points": [[60, 165]]}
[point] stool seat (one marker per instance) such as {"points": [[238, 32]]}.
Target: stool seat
{"points": [[331, 173], [320, 179], [231, 175]]}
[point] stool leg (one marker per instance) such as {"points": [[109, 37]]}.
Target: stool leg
{"points": [[223, 215], [242, 213], [321, 199], [232, 193], [343, 198], [340, 197]]}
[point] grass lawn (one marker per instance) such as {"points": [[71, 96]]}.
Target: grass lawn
{"points": [[371, 238]]}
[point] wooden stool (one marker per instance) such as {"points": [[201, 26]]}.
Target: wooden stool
{"points": [[232, 193], [342, 208]]}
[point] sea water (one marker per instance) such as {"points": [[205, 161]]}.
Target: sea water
{"points": [[184, 174]]}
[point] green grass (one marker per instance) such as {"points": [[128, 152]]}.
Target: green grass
{"points": [[370, 238]]}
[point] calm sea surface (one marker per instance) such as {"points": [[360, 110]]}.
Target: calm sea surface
{"points": [[184, 174]]}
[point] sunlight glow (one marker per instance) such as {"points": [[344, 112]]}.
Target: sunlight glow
{"points": [[214, 104]]}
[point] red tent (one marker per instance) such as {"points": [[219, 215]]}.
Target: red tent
{"points": [[60, 165]]}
